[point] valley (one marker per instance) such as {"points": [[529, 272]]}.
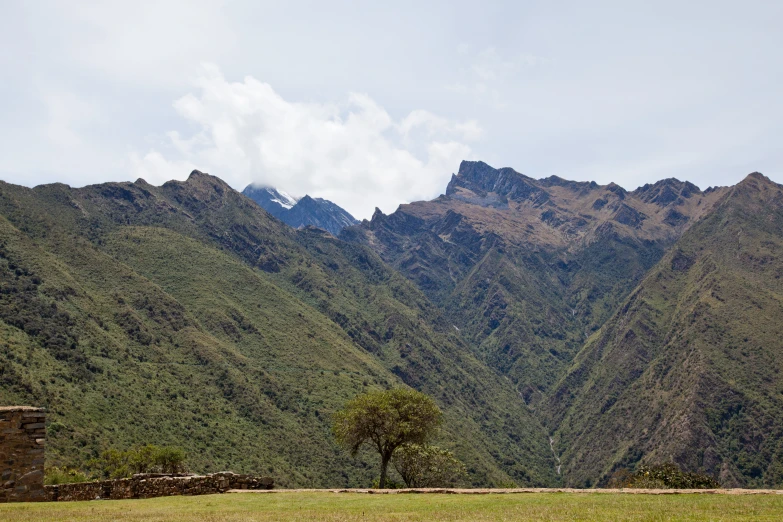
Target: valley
{"points": [[567, 329]]}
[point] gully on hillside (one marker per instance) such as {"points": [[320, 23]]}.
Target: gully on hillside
{"points": [[528, 268]]}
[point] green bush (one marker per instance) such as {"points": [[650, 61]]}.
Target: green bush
{"points": [[424, 466], [115, 464], [170, 459], [390, 484], [64, 475], [661, 476]]}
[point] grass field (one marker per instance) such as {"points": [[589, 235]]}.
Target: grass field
{"points": [[346, 506]]}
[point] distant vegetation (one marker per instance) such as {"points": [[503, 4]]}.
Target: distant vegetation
{"points": [[689, 368], [629, 326], [55, 475], [662, 476], [186, 314], [118, 464], [149, 458]]}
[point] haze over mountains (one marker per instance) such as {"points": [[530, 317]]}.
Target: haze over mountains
{"points": [[628, 326]]}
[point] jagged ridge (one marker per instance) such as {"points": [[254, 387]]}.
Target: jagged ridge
{"points": [[301, 212]]}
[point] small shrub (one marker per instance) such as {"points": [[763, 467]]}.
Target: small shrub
{"points": [[390, 484], [170, 460], [115, 464], [622, 478], [661, 476], [64, 475], [424, 466], [112, 464], [54, 428]]}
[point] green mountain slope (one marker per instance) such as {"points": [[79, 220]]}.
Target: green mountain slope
{"points": [[125, 362], [184, 314], [631, 326], [688, 368], [387, 316]]}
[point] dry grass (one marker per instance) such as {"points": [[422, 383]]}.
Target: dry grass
{"points": [[350, 506]]}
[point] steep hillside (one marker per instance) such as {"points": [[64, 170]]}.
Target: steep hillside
{"points": [[631, 326], [116, 359], [387, 316], [185, 314], [689, 367], [527, 269]]}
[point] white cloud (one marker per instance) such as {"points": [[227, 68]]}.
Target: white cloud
{"points": [[149, 44], [486, 73], [353, 152], [67, 114]]}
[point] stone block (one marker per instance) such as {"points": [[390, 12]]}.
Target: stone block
{"points": [[32, 477], [21, 455]]}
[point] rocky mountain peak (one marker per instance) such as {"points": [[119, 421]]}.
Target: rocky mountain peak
{"points": [[200, 178], [474, 169], [666, 191], [451, 188], [757, 191], [300, 212], [557, 181], [756, 178], [755, 181], [200, 190], [200, 182], [483, 181]]}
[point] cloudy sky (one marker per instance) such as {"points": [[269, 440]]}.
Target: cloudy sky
{"points": [[370, 106]]}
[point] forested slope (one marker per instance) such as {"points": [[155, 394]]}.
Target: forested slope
{"points": [[689, 367], [184, 314]]}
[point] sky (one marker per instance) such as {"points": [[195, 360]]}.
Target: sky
{"points": [[373, 105]]}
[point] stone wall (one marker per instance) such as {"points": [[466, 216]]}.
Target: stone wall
{"points": [[147, 486], [22, 436]]}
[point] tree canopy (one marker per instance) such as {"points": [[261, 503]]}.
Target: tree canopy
{"points": [[423, 466], [386, 420]]}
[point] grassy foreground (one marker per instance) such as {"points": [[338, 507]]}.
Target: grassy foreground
{"points": [[347, 506]]}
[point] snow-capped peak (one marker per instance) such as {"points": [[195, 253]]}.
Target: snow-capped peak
{"points": [[282, 198]]}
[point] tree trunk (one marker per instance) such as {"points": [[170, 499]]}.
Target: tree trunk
{"points": [[384, 467]]}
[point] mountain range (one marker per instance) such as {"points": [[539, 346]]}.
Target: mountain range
{"points": [[567, 329], [301, 212]]}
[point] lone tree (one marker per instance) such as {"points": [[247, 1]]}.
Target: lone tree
{"points": [[386, 420]]}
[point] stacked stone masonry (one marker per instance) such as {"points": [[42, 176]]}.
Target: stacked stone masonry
{"points": [[22, 434], [145, 486]]}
